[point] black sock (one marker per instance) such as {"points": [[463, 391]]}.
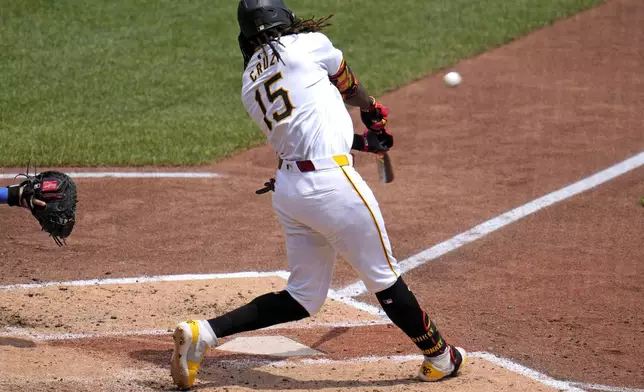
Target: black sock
{"points": [[403, 309], [264, 311]]}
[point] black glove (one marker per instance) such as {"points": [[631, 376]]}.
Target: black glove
{"points": [[372, 141], [51, 198], [268, 187]]}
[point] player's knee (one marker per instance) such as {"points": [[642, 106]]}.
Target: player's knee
{"points": [[314, 307], [311, 303]]}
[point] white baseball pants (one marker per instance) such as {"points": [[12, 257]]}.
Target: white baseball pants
{"points": [[328, 212]]}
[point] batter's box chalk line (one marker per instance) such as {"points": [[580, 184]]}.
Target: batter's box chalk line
{"points": [[149, 279], [34, 335], [176, 175]]}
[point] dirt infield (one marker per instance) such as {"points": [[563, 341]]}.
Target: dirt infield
{"points": [[559, 291], [143, 371], [146, 306]]}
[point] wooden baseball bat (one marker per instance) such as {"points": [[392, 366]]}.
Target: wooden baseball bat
{"points": [[385, 167]]}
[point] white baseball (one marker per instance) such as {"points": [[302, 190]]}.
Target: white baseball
{"points": [[452, 79]]}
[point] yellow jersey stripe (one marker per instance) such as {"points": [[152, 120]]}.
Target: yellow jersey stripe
{"points": [[375, 221]]}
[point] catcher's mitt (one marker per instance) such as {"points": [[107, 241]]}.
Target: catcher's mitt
{"points": [[51, 198]]}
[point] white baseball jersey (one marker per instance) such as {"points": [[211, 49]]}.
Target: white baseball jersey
{"points": [[323, 212], [294, 103]]}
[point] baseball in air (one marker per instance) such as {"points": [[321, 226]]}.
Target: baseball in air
{"points": [[452, 79]]}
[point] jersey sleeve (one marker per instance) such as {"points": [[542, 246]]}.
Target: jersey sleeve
{"points": [[325, 54], [332, 59], [4, 195]]}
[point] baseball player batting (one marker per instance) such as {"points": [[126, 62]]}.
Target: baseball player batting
{"points": [[295, 85]]}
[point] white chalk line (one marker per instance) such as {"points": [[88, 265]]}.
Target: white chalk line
{"points": [[492, 225], [527, 372], [132, 175], [148, 279], [39, 336], [354, 303], [607, 388], [546, 380]]}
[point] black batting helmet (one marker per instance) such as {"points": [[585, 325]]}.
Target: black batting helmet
{"points": [[257, 16]]}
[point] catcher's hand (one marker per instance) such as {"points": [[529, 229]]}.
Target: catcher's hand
{"points": [[51, 197]]}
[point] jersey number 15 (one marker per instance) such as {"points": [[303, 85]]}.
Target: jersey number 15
{"points": [[272, 96]]}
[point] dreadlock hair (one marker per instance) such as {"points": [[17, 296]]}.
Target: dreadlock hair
{"points": [[300, 25], [308, 25]]}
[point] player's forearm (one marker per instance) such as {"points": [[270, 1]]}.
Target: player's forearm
{"points": [[360, 99], [353, 93]]}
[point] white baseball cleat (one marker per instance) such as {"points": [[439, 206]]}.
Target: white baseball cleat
{"points": [[192, 339], [445, 365]]}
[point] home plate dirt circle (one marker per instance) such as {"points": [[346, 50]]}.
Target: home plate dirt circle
{"points": [[136, 365]]}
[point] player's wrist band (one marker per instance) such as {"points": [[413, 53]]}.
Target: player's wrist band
{"points": [[372, 105], [359, 142], [13, 195], [4, 195]]}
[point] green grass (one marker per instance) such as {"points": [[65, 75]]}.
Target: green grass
{"points": [[132, 82]]}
